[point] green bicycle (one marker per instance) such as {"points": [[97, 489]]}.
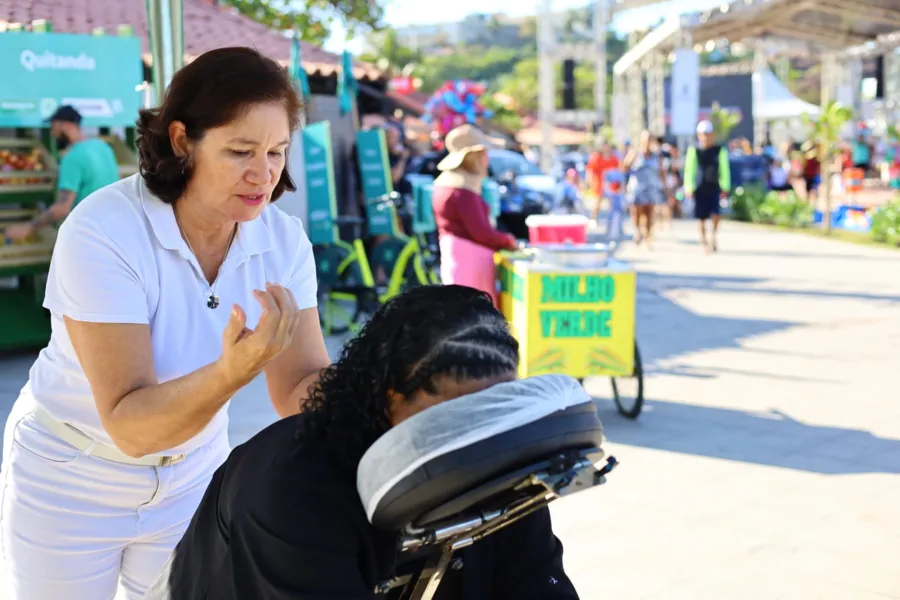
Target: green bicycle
{"points": [[348, 290]]}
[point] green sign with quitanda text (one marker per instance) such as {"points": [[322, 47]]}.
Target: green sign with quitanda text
{"points": [[98, 75]]}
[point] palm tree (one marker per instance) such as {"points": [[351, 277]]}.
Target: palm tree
{"points": [[724, 121], [825, 133]]}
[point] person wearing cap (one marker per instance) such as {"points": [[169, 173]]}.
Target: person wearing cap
{"points": [[465, 234], [707, 180], [86, 166]]}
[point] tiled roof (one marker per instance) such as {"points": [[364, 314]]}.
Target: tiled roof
{"points": [[206, 27]]}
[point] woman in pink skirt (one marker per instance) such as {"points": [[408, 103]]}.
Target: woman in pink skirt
{"points": [[467, 238]]}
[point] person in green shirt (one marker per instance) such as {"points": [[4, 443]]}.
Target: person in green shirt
{"points": [[87, 166], [707, 180]]}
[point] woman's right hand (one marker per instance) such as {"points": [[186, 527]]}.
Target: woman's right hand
{"points": [[245, 352]]}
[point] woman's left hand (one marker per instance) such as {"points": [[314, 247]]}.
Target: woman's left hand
{"points": [[248, 351]]}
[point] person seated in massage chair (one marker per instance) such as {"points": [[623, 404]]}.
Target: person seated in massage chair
{"points": [[282, 518]]}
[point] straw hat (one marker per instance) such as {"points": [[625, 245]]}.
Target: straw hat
{"points": [[459, 142]]}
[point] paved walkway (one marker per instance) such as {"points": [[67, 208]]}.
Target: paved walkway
{"points": [[767, 462], [766, 465]]}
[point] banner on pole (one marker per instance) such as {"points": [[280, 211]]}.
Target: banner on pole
{"points": [[685, 92], [320, 188]]}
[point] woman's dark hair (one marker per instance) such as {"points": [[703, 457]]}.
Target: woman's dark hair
{"points": [[428, 332], [210, 92]]}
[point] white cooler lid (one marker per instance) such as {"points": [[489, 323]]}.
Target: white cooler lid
{"points": [[558, 220]]}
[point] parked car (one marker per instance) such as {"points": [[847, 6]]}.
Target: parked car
{"points": [[525, 190]]}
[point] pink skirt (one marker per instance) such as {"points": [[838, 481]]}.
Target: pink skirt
{"points": [[463, 262]]}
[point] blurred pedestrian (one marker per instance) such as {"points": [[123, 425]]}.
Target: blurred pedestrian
{"points": [[707, 181], [646, 186]]}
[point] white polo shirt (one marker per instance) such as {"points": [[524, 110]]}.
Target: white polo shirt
{"points": [[120, 258]]}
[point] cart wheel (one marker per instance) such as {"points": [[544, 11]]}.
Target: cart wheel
{"points": [[628, 392]]}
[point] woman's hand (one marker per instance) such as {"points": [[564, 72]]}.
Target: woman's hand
{"points": [[246, 352]]}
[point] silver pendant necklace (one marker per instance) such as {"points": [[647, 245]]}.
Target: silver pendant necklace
{"points": [[213, 300]]}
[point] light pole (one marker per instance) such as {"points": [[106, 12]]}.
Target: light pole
{"points": [[165, 24]]}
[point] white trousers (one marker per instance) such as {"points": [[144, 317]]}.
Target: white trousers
{"points": [[72, 525]]}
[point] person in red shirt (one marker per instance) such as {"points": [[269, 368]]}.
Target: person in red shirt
{"points": [[465, 234], [812, 170], [598, 163]]}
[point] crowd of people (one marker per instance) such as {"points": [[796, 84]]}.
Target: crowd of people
{"points": [[652, 181]]}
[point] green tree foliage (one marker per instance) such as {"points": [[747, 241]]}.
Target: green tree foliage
{"points": [[522, 84], [390, 55], [825, 132], [724, 121], [474, 63], [502, 115], [313, 18]]}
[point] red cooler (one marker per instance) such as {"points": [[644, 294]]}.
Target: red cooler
{"points": [[557, 229]]}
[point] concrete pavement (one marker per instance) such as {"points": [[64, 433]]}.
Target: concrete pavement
{"points": [[767, 462]]}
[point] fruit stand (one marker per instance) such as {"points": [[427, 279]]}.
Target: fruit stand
{"points": [[101, 77], [27, 181]]}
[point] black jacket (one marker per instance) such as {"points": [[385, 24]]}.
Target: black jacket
{"points": [[281, 521]]}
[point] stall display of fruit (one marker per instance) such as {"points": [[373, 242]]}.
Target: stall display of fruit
{"points": [[29, 162], [34, 249]]}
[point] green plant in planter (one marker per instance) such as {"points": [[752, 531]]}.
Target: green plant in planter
{"points": [[790, 211], [826, 130], [886, 224], [724, 121], [745, 203]]}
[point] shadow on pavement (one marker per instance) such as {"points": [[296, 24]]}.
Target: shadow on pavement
{"points": [[666, 329], [655, 283], [810, 255], [769, 438]]}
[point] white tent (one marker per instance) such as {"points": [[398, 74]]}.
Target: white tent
{"points": [[772, 101]]}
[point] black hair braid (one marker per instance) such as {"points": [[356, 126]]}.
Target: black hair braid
{"points": [[476, 353], [428, 332]]}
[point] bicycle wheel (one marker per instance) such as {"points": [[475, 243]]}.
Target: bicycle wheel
{"points": [[339, 303], [384, 256], [628, 392]]}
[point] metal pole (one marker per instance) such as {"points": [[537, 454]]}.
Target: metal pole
{"points": [[684, 141], [656, 119], [165, 22], [176, 14], [892, 83], [635, 82], [153, 38], [828, 79], [601, 25], [760, 127], [547, 82], [854, 75]]}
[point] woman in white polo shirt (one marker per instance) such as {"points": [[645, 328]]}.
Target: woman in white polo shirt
{"points": [[168, 292]]}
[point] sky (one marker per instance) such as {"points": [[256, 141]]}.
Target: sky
{"points": [[399, 13]]}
